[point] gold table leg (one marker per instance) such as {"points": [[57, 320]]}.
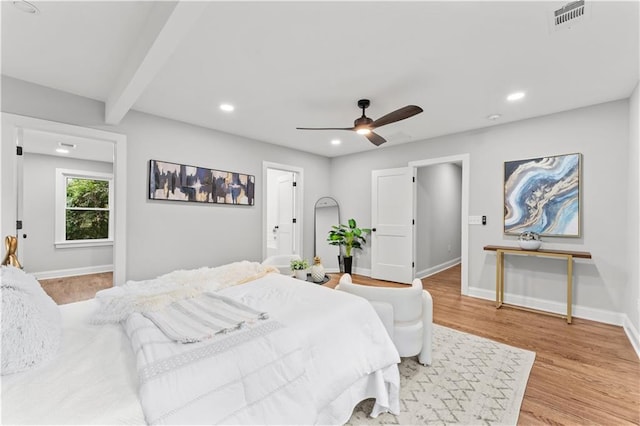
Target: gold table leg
{"points": [[569, 287], [499, 278]]}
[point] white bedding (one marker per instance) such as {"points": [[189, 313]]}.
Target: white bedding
{"points": [[91, 381], [342, 356]]}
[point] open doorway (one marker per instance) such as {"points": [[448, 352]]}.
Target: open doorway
{"points": [[282, 209], [438, 220], [30, 167], [448, 182]]}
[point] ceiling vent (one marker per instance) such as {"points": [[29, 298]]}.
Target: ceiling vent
{"points": [[569, 15]]}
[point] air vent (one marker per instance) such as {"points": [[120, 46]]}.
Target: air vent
{"points": [[568, 15]]}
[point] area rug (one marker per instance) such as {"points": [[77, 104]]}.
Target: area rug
{"points": [[471, 381]]}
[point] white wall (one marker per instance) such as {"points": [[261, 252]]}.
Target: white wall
{"points": [[438, 217], [632, 297], [599, 132], [163, 236], [39, 251]]}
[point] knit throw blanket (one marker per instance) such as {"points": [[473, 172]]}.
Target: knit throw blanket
{"points": [[184, 304], [202, 317]]}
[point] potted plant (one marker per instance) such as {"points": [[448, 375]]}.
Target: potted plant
{"points": [[299, 268], [349, 236]]}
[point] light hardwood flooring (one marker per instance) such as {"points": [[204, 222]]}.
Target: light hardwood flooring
{"points": [[74, 289], [586, 373]]}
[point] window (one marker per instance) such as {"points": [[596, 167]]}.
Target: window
{"points": [[84, 208]]}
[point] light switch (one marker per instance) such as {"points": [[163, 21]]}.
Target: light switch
{"points": [[475, 220]]}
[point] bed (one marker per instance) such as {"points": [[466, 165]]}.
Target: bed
{"points": [[325, 351]]}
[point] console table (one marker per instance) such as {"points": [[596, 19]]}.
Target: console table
{"points": [[568, 255]]}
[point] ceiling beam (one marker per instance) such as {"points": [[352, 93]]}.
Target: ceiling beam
{"points": [[167, 25]]}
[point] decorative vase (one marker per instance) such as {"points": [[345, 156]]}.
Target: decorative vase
{"points": [[348, 261], [301, 274], [317, 270], [529, 241]]}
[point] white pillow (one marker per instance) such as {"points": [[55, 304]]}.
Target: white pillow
{"points": [[31, 322]]}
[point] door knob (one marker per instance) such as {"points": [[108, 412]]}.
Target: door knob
{"points": [[373, 230]]}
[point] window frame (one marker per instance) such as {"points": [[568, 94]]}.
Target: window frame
{"points": [[61, 208]]}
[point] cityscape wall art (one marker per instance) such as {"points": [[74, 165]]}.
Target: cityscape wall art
{"points": [[179, 182], [542, 195]]}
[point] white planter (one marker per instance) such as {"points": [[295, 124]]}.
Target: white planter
{"points": [[300, 274]]}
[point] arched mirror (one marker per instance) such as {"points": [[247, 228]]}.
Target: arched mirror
{"points": [[326, 213]]}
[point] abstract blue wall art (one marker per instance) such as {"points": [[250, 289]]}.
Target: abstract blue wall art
{"points": [[542, 195]]}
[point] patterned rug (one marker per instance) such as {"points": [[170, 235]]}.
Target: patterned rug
{"points": [[471, 381]]}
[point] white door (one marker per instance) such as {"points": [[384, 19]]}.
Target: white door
{"points": [[285, 225], [392, 202]]}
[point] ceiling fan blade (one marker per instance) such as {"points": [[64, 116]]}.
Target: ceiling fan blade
{"points": [[375, 138], [325, 128], [397, 115]]}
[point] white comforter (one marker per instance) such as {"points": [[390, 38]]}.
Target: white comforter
{"points": [[344, 351], [288, 370]]}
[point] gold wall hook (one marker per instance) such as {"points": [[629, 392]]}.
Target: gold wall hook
{"points": [[11, 245]]}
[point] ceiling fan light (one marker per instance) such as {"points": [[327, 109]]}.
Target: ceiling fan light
{"points": [[363, 131]]}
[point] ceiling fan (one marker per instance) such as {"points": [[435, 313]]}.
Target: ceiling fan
{"points": [[365, 125]]}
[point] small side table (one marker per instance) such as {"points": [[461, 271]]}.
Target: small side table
{"points": [[568, 255]]}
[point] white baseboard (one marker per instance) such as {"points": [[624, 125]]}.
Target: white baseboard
{"points": [[438, 268], [593, 314], [362, 271], [632, 334], [422, 274], [45, 275]]}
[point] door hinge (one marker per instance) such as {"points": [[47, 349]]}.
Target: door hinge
{"points": [[413, 179], [18, 150], [18, 224], [413, 265], [294, 183], [413, 221], [294, 220]]}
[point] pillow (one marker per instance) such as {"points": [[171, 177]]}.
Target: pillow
{"points": [[31, 322]]}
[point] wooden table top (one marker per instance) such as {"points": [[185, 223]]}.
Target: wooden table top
{"points": [[577, 254]]}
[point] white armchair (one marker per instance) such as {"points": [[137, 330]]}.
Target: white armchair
{"points": [[406, 312], [282, 262]]}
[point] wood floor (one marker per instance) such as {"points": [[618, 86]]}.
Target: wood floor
{"points": [[586, 373], [74, 289]]}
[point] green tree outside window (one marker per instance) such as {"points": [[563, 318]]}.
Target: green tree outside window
{"points": [[87, 209]]}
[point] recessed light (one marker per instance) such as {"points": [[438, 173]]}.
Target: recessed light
{"points": [[335, 142], [26, 7], [493, 117], [227, 107], [515, 96], [62, 150]]}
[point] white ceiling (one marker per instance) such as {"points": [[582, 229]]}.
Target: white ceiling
{"points": [[46, 143], [305, 64]]}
